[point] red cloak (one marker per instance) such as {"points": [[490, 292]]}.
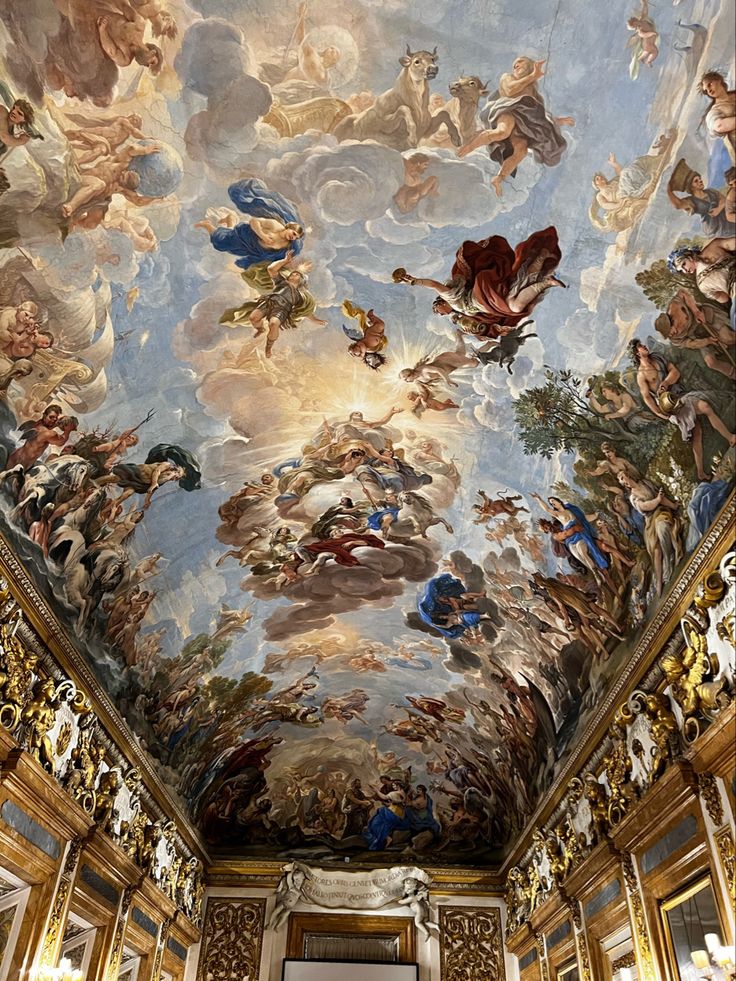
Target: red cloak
{"points": [[491, 266], [343, 546]]}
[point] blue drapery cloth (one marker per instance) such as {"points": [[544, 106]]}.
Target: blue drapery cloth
{"points": [[254, 199], [433, 606], [586, 535]]}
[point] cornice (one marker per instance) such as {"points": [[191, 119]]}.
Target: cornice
{"points": [[40, 618], [233, 871], [659, 632]]}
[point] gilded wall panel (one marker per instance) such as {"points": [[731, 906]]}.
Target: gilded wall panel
{"points": [[471, 943], [232, 939]]}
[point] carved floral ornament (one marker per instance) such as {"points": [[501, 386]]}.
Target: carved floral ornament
{"points": [[471, 943], [653, 727], [54, 722]]}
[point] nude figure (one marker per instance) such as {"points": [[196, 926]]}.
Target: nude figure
{"points": [[424, 398], [26, 344], [121, 38], [441, 366], [38, 440], [103, 138], [415, 186], [272, 233], [313, 65], [109, 176], [16, 321], [645, 36]]}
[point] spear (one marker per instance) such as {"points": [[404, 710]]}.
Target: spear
{"points": [[129, 432]]}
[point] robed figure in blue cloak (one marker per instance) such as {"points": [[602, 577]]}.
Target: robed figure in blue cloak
{"points": [[273, 229], [446, 606]]}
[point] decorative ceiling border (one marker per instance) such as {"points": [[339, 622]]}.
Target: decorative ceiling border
{"points": [[658, 634], [446, 881], [53, 635]]}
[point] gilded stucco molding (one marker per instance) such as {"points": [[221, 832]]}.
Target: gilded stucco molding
{"points": [[711, 797], [583, 959], [232, 941], [471, 943], [43, 632], [658, 634], [681, 697], [644, 958], [54, 722], [60, 903], [727, 854]]}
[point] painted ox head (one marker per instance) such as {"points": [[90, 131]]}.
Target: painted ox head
{"points": [[468, 88], [421, 65]]}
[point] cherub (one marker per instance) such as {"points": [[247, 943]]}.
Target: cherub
{"points": [[370, 340], [15, 322], [416, 897], [28, 344], [644, 40], [424, 398], [415, 187]]}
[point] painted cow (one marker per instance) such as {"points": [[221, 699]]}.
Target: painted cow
{"points": [[401, 118]]}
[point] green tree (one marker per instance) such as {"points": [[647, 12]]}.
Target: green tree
{"points": [[556, 417]]}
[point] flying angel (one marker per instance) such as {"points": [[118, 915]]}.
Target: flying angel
{"points": [[643, 42], [368, 338]]}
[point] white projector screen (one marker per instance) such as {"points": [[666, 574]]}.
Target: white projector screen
{"points": [[347, 971]]}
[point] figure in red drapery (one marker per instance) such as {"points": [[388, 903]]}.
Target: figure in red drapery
{"points": [[493, 286]]}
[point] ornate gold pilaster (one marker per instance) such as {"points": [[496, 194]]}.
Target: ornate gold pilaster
{"points": [[56, 921], [583, 959], [471, 943], [115, 955], [642, 943], [727, 855], [232, 939], [158, 957], [542, 954], [710, 796], [581, 945]]}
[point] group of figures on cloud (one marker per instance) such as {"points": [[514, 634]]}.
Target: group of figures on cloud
{"points": [[72, 492], [110, 172], [386, 808], [62, 484], [385, 503]]}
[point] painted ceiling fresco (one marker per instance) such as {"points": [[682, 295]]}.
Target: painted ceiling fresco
{"points": [[365, 382]]}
